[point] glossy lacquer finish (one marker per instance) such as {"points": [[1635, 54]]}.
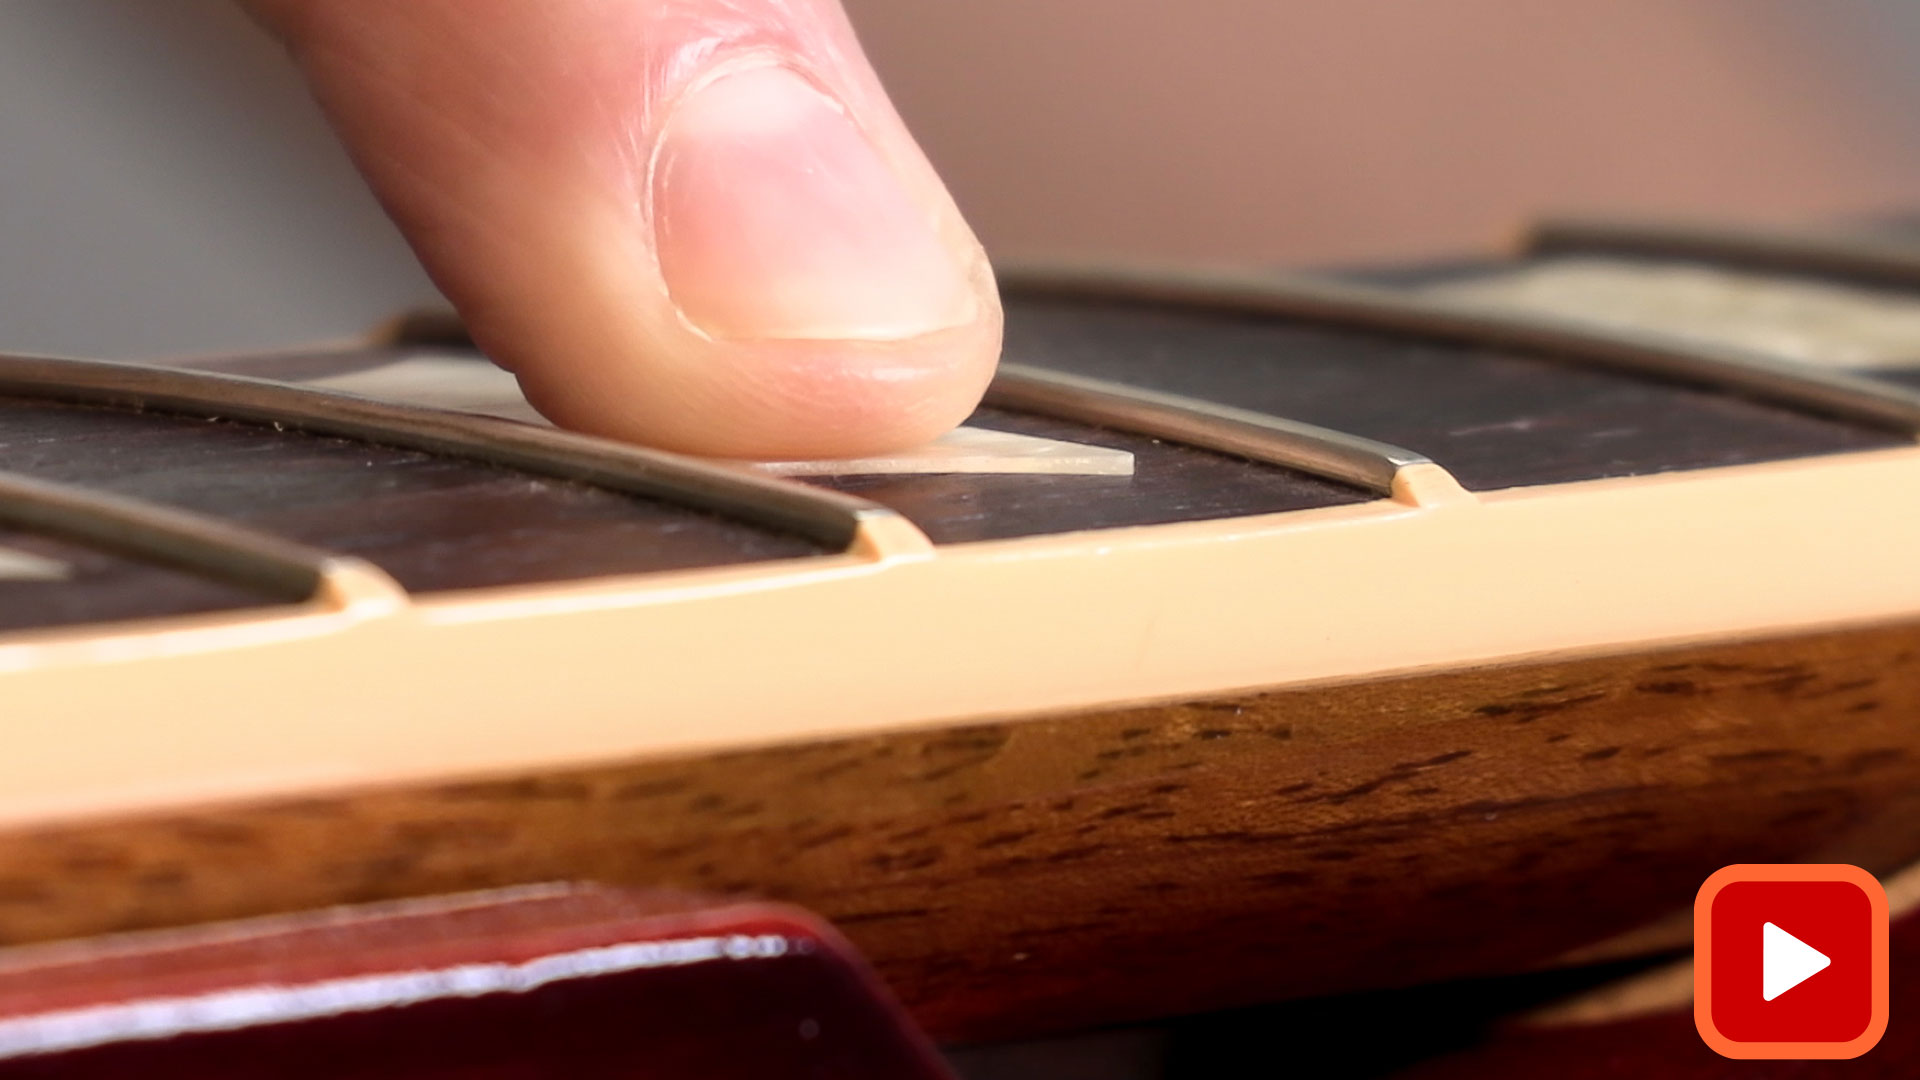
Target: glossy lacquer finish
{"points": [[577, 982]]}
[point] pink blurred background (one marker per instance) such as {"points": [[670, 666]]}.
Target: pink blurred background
{"points": [[1329, 130]]}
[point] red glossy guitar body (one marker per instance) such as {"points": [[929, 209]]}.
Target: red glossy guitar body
{"points": [[577, 982]]}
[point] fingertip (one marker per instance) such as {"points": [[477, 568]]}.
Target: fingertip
{"points": [[780, 400], [692, 224]]}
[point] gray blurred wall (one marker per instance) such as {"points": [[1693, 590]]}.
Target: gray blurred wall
{"points": [[166, 187]]}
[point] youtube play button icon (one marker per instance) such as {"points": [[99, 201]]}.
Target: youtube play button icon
{"points": [[1790, 961], [1786, 961]]}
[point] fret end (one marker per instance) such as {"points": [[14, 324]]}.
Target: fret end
{"points": [[1425, 484]]}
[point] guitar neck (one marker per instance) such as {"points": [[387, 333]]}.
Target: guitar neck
{"points": [[1354, 621]]}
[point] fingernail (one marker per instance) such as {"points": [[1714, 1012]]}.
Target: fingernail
{"points": [[776, 218]]}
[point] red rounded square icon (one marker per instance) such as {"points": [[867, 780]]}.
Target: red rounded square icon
{"points": [[1790, 961]]}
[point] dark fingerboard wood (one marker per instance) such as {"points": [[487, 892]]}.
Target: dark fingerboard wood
{"points": [[1903, 376], [1169, 483], [98, 586], [1494, 419], [432, 522]]}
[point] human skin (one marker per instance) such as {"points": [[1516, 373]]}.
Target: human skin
{"points": [[696, 224]]}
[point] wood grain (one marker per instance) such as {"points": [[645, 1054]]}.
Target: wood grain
{"points": [[1057, 872]]}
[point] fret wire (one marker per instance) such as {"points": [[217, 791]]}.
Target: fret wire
{"points": [[1380, 310], [1334, 455], [279, 568], [1308, 448], [1889, 262], [826, 517]]}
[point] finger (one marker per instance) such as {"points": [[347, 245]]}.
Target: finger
{"points": [[693, 223]]}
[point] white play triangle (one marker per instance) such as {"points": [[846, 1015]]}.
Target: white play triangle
{"points": [[1786, 961]]}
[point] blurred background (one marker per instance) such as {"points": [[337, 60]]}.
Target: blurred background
{"points": [[166, 187]]}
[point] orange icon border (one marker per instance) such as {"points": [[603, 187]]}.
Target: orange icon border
{"points": [[1703, 960]]}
